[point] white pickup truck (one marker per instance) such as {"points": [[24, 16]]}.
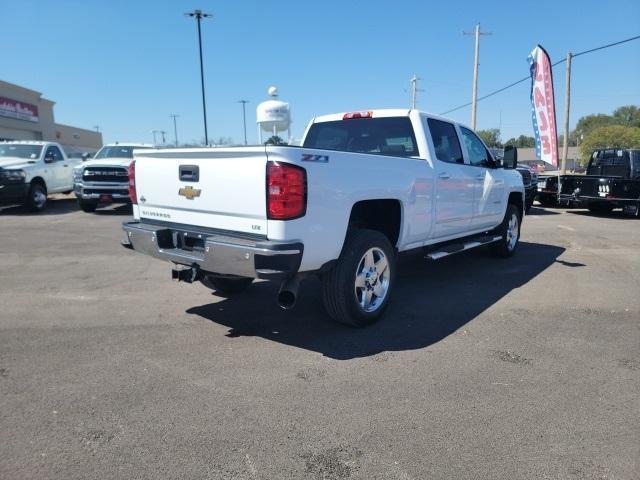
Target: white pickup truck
{"points": [[30, 170], [104, 179], [362, 187]]}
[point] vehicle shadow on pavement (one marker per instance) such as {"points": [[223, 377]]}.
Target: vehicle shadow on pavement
{"points": [[122, 209], [536, 210], [55, 206], [430, 302], [615, 215]]}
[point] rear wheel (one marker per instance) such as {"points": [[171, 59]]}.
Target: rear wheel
{"points": [[356, 290], [510, 232], [600, 207], [226, 285], [37, 197], [88, 207]]}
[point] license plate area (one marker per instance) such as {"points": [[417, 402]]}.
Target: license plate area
{"points": [[181, 240]]}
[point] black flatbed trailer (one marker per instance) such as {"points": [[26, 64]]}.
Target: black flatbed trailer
{"points": [[612, 181]]}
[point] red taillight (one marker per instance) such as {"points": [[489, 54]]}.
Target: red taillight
{"points": [[132, 183], [349, 116], [286, 191]]}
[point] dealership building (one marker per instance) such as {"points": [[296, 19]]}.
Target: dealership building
{"points": [[26, 115]]}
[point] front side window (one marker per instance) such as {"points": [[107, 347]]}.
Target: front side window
{"points": [[445, 141], [391, 136], [54, 154], [476, 151]]}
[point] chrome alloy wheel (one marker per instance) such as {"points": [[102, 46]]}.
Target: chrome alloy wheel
{"points": [[513, 232], [39, 197], [372, 279]]}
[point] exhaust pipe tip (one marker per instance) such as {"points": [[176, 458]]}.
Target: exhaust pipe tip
{"points": [[286, 299], [288, 293]]}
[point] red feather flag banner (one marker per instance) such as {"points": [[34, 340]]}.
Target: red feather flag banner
{"points": [[543, 107]]}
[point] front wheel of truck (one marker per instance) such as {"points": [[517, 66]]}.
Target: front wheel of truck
{"points": [[226, 285], [356, 290], [509, 230]]}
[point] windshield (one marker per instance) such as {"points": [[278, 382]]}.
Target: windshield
{"points": [[118, 151], [31, 152], [383, 136]]}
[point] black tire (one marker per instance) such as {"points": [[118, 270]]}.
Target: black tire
{"points": [[37, 197], [342, 298], [88, 207], [600, 208], [506, 246], [546, 201], [226, 285]]}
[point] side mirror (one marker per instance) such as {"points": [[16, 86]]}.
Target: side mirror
{"points": [[510, 157]]}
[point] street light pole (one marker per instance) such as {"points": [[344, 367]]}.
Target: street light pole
{"points": [[244, 118], [199, 15], [175, 127]]}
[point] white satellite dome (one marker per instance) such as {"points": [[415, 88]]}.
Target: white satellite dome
{"points": [[273, 91]]}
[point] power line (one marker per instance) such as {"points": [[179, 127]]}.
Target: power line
{"points": [[528, 77]]}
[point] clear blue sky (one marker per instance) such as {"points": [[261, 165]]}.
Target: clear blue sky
{"points": [[127, 65]]}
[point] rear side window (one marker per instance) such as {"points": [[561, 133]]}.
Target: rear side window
{"points": [[445, 141], [383, 136]]}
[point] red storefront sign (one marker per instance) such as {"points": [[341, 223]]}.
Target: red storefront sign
{"points": [[18, 110]]}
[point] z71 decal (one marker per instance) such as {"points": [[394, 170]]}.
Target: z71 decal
{"points": [[307, 157]]}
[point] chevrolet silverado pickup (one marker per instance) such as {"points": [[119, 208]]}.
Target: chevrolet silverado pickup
{"points": [[362, 187], [104, 179], [30, 170]]}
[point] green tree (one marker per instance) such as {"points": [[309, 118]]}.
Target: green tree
{"points": [[491, 137], [275, 140], [589, 123], [611, 136], [522, 141], [628, 115]]}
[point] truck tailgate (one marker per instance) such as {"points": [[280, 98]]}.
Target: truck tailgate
{"points": [[219, 188]]}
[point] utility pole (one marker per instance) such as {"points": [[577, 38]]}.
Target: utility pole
{"points": [[415, 90], [164, 141], [476, 58], [97, 127], [244, 118], [155, 141], [175, 127], [199, 15], [567, 104]]}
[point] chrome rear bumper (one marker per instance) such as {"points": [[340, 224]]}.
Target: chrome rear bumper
{"points": [[221, 253]]}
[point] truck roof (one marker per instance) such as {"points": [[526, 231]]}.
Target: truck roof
{"points": [[128, 144], [380, 113]]}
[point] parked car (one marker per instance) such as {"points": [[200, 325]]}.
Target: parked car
{"points": [[31, 170], [363, 187], [530, 182], [547, 193], [104, 179], [612, 181]]}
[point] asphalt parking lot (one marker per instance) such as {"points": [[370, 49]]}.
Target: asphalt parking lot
{"points": [[526, 368]]}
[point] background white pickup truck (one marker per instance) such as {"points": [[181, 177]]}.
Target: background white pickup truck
{"points": [[30, 170], [362, 187], [104, 179]]}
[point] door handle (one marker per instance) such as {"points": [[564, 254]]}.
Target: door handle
{"points": [[444, 176]]}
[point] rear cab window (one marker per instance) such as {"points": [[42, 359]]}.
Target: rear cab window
{"points": [[392, 136]]}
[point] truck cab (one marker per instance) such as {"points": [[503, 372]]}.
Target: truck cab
{"points": [[31, 170]]}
